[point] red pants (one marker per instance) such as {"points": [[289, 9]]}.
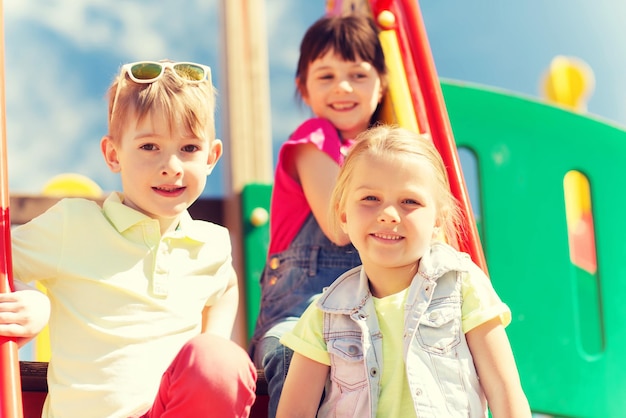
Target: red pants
{"points": [[210, 377]]}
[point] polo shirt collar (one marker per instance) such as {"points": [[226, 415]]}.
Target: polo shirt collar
{"points": [[124, 217]]}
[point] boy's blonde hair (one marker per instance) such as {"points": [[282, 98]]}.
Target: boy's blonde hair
{"points": [[193, 104], [384, 141]]}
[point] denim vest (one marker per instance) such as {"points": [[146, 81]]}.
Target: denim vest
{"points": [[438, 362], [292, 278]]}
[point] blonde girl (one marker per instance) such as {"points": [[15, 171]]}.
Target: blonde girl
{"points": [[417, 330]]}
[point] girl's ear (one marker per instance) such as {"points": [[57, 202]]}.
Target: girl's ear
{"points": [[383, 89], [214, 155], [109, 152], [302, 90], [343, 222], [439, 231]]}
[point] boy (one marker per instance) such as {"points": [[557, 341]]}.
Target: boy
{"points": [[142, 297]]}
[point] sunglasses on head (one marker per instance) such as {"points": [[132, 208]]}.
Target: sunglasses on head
{"points": [[149, 71], [145, 72]]}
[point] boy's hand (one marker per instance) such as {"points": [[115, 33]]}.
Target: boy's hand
{"points": [[23, 313]]}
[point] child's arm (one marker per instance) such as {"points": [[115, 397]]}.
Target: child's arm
{"points": [[317, 174], [303, 388], [23, 313], [497, 371], [220, 317]]}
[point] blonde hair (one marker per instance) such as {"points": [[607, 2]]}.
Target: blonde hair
{"points": [[384, 141], [174, 99]]}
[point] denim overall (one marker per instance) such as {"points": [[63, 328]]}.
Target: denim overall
{"points": [[291, 279]]}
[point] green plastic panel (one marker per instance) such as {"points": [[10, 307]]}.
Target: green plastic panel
{"points": [[254, 197], [569, 327]]}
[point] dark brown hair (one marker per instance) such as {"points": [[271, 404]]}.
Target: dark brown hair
{"points": [[351, 37]]}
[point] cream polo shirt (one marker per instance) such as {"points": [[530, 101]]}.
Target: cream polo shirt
{"points": [[124, 299]]}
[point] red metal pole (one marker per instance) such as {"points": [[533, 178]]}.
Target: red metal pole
{"points": [[10, 385], [439, 123]]}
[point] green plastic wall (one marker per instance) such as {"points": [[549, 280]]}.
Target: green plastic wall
{"points": [[569, 327]]}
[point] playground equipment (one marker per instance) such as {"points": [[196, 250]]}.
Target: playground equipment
{"points": [[566, 331]]}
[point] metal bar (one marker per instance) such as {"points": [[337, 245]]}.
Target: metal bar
{"points": [[10, 386]]}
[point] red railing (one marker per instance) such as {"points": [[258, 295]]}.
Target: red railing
{"points": [[10, 386]]}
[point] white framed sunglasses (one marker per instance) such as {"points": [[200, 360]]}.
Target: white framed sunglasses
{"points": [[146, 72]]}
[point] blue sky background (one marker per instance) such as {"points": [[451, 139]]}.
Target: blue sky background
{"points": [[61, 55]]}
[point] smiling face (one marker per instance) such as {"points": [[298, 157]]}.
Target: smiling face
{"points": [[390, 213], [163, 170], [344, 92]]}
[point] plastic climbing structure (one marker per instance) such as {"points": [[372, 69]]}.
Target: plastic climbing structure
{"points": [[555, 256]]}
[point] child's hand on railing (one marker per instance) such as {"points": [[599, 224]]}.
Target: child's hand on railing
{"points": [[23, 313]]}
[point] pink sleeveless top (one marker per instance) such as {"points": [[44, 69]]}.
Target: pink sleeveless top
{"points": [[289, 207]]}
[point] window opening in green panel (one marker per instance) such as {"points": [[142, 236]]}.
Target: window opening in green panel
{"points": [[583, 256], [469, 166]]}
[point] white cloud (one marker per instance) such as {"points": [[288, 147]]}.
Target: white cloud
{"points": [[136, 28]]}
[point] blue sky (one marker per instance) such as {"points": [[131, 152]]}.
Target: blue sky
{"points": [[61, 55]]}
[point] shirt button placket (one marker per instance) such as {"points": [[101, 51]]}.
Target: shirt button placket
{"points": [[160, 285]]}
